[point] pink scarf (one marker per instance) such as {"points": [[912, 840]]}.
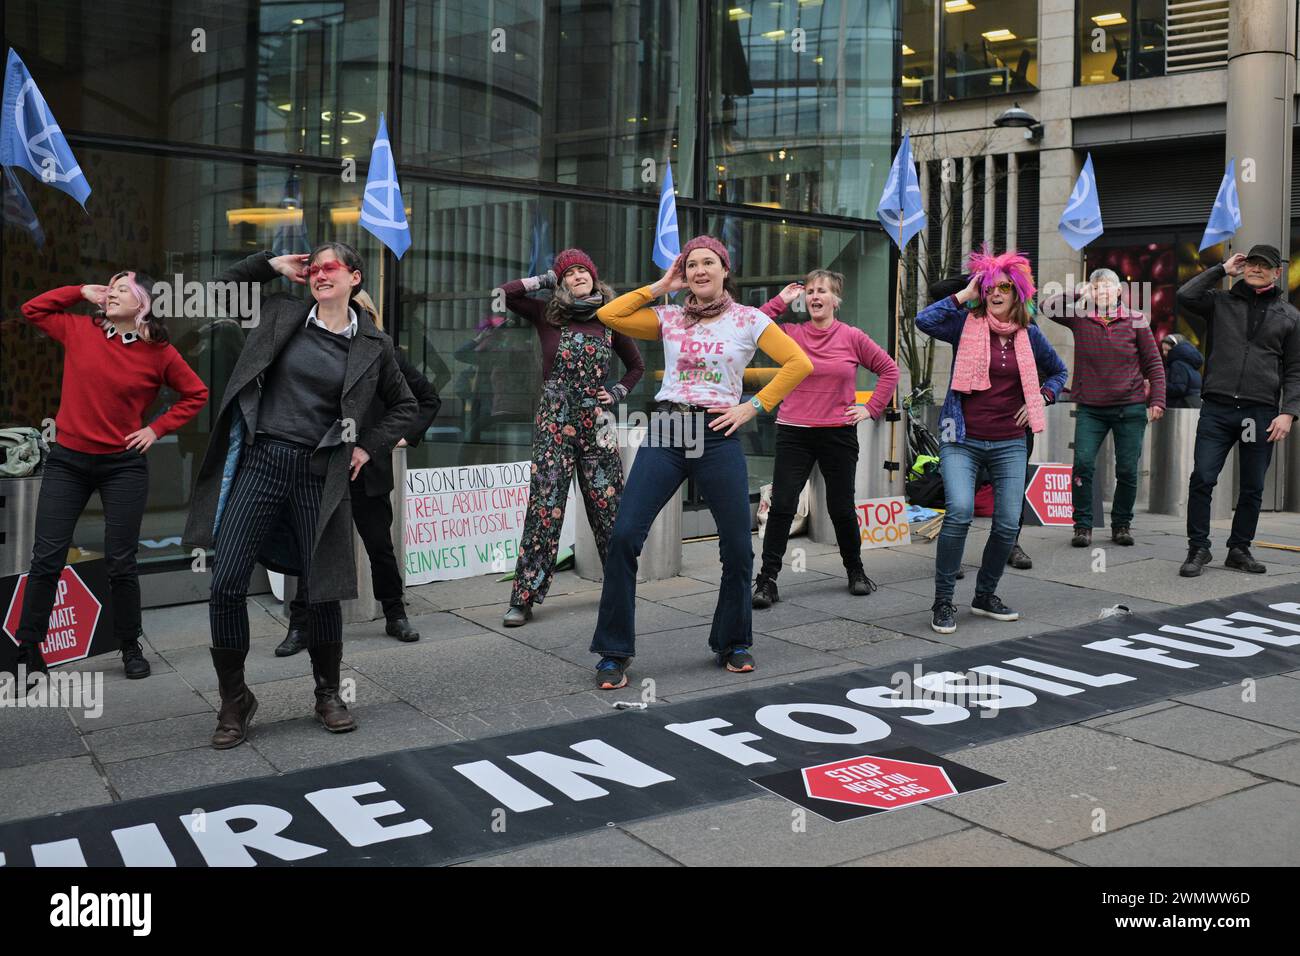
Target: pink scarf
{"points": [[970, 372]]}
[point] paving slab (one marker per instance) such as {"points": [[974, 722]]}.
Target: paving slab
{"points": [[1280, 763], [36, 735], [833, 598], [971, 631], [381, 728], [1201, 733], [138, 701], [1241, 829], [679, 586], [562, 618], [471, 674], [1157, 580], [51, 786], [186, 625], [538, 713], [1275, 702], [784, 613], [899, 648], [167, 735], [608, 847], [766, 829], [751, 682], [186, 769], [832, 634], [680, 661], [1057, 778], [970, 847], [1120, 715]]}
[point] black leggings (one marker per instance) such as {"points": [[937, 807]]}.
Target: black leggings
{"points": [[835, 451], [68, 480]]}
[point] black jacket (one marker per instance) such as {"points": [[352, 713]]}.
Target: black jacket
{"points": [[1183, 376], [376, 478], [1263, 369]]}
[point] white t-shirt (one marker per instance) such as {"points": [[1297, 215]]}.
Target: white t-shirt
{"points": [[704, 364]]}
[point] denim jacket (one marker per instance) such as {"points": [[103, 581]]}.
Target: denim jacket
{"points": [[945, 319]]}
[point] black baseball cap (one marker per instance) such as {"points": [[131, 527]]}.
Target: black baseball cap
{"points": [[1268, 253]]}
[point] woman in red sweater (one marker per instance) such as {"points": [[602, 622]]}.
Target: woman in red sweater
{"points": [[113, 368]]}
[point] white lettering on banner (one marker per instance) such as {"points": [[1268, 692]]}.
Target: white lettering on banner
{"points": [[143, 845], [464, 521], [780, 718], [356, 821], [59, 853], [731, 746], [569, 776], [222, 846], [1261, 634], [940, 711], [1153, 655], [981, 694], [506, 789], [1088, 680]]}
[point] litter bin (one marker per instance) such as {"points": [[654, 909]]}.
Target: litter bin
{"points": [[1173, 443], [879, 473], [18, 497], [661, 555]]}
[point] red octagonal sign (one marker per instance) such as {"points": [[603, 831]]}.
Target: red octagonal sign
{"points": [[878, 782], [1050, 496], [72, 620]]}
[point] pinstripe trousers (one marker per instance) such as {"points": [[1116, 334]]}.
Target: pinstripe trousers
{"points": [[273, 475]]}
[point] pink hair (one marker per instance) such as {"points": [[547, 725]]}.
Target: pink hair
{"points": [[140, 293], [1011, 263]]}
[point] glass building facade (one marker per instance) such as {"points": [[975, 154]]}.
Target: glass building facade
{"points": [[212, 130]]}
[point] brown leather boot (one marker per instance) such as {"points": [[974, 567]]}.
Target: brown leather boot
{"points": [[238, 705], [330, 709]]}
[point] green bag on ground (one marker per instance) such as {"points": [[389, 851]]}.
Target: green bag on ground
{"points": [[21, 451]]}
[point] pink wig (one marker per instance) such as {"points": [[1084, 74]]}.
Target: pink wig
{"points": [[141, 293], [1012, 264]]}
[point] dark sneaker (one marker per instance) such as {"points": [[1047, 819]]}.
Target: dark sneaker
{"points": [[765, 593], [990, 605], [133, 662], [961, 573], [1018, 559], [1240, 559], [400, 628], [1197, 558], [29, 656], [859, 583], [944, 618], [1121, 535], [738, 660], [517, 616], [1082, 537], [611, 673], [294, 641]]}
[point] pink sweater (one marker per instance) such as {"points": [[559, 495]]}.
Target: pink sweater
{"points": [[823, 398]]}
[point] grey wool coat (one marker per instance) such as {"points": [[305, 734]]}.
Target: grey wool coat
{"points": [[372, 372]]}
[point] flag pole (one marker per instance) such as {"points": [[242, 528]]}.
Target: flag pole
{"points": [[898, 323], [380, 304]]}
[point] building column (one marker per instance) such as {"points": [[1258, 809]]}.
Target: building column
{"points": [[967, 204], [923, 240], [1013, 198], [990, 197], [945, 220]]}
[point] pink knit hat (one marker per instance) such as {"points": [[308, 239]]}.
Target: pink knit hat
{"points": [[566, 259], [703, 242]]}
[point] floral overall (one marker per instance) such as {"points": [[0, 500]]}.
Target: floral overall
{"points": [[568, 437]]}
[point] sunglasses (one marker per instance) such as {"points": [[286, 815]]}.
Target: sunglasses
{"points": [[326, 267], [1003, 287]]}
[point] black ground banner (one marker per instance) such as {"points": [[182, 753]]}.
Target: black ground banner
{"points": [[470, 799]]}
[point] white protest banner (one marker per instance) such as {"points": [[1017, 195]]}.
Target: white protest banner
{"points": [[882, 522], [466, 520]]}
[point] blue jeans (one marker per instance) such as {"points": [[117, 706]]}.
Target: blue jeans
{"points": [[657, 473], [1005, 462], [1219, 428]]}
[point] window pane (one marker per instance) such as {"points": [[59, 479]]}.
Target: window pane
{"points": [[918, 52], [282, 77], [1105, 48], [578, 92], [801, 97], [989, 48]]}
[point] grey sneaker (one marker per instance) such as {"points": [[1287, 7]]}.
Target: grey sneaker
{"points": [[944, 618], [990, 605]]}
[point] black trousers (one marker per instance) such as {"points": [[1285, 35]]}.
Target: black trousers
{"points": [[373, 516], [68, 480], [835, 451], [272, 476]]}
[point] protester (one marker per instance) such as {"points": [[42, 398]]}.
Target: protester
{"points": [[708, 340], [289, 438], [818, 424], [372, 514], [1119, 383], [1004, 371], [113, 370], [569, 437], [1252, 366], [1182, 372]]}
